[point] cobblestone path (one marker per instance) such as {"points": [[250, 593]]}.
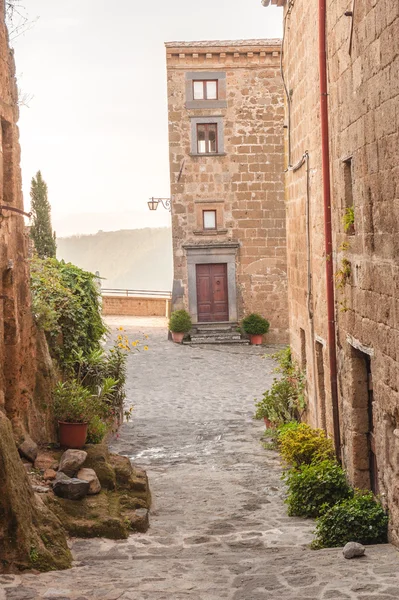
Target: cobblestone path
{"points": [[219, 528]]}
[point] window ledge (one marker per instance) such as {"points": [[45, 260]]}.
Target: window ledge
{"points": [[210, 231], [207, 155]]}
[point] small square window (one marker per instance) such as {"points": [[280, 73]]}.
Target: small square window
{"points": [[205, 90], [207, 138], [209, 219]]}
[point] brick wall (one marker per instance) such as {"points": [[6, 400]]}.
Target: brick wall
{"points": [[136, 307], [244, 185], [364, 146]]}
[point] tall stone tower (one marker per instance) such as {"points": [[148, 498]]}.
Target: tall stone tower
{"points": [[226, 114]]}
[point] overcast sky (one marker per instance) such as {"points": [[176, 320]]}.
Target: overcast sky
{"points": [[97, 124]]}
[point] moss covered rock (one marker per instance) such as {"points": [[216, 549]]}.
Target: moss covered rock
{"points": [[98, 459], [31, 536]]}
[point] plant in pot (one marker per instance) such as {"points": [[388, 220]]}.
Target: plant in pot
{"points": [[255, 326], [179, 324], [73, 409]]}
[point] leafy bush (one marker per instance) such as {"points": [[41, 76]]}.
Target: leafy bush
{"points": [[254, 324], [304, 445], [72, 402], [359, 519], [314, 488], [66, 305], [96, 430], [285, 401], [279, 404], [180, 321]]}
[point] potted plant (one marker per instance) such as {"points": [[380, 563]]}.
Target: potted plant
{"points": [[255, 326], [73, 410], [179, 324]]}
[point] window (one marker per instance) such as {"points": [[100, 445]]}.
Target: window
{"points": [[207, 138], [205, 90], [209, 219]]}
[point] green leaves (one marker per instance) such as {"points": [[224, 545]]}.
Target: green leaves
{"points": [[41, 231], [180, 321], [285, 401], [304, 445], [73, 402], [255, 324], [359, 519], [313, 489], [66, 306]]}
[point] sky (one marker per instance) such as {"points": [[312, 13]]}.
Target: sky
{"points": [[96, 122]]}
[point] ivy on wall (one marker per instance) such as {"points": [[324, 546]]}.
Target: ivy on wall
{"points": [[66, 305]]}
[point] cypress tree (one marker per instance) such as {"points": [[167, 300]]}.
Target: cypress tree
{"points": [[41, 231]]}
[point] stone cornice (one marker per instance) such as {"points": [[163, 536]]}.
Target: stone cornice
{"points": [[210, 53]]}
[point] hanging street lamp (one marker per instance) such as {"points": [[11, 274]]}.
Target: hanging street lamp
{"points": [[153, 203]]}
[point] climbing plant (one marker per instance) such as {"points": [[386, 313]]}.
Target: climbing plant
{"points": [[66, 305]]}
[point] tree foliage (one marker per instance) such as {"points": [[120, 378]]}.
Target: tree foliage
{"points": [[66, 304], [41, 231]]}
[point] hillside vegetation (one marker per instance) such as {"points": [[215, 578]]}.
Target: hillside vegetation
{"points": [[128, 259]]}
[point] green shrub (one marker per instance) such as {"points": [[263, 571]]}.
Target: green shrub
{"points": [[66, 305], [180, 321], [359, 519], [304, 445], [314, 488], [254, 324], [285, 401], [279, 404], [96, 430], [72, 402]]}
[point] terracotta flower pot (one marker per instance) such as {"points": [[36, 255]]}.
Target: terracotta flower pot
{"points": [[256, 340], [177, 337], [72, 435]]}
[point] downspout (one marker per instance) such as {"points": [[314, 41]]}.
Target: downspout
{"points": [[332, 349]]}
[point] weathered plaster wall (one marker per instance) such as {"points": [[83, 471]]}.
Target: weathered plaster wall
{"points": [[244, 184], [364, 126]]}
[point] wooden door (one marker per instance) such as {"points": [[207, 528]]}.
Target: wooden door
{"points": [[212, 296]]}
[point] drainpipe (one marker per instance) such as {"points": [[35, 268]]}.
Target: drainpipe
{"points": [[332, 349]]}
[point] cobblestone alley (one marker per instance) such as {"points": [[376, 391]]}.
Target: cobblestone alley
{"points": [[219, 528]]}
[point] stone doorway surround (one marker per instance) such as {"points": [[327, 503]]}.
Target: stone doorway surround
{"points": [[208, 254]]}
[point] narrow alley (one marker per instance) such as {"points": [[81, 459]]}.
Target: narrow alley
{"points": [[218, 525]]}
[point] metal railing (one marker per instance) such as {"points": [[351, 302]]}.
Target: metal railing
{"points": [[135, 293]]}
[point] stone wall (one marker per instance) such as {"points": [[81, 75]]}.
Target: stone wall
{"points": [[25, 365], [364, 146], [136, 307], [28, 530], [243, 183]]}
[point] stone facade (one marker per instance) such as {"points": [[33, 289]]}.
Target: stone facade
{"points": [[241, 183], [363, 70]]}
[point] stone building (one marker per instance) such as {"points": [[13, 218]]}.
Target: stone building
{"points": [[362, 44], [226, 114]]}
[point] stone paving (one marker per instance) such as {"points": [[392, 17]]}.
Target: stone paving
{"points": [[219, 528]]}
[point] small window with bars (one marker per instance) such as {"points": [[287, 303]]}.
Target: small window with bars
{"points": [[205, 90], [207, 138]]}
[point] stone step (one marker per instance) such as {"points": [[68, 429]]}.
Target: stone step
{"points": [[217, 334], [216, 340]]}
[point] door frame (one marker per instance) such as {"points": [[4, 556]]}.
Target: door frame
{"points": [[212, 254]]}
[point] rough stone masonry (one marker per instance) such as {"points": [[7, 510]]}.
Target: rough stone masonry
{"points": [[241, 181]]}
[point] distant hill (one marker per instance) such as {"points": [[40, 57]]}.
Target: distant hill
{"points": [[138, 259]]}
